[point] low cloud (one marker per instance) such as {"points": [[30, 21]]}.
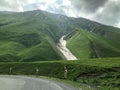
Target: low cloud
{"points": [[11, 5], [110, 14], [88, 6], [103, 11]]}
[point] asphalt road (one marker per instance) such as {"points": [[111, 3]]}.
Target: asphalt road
{"points": [[28, 83]]}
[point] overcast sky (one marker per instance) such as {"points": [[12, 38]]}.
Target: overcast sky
{"points": [[103, 11]]}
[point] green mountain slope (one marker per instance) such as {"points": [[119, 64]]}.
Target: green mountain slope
{"points": [[85, 44], [33, 35], [28, 36]]}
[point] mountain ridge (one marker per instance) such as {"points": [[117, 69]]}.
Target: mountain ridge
{"points": [[35, 34]]}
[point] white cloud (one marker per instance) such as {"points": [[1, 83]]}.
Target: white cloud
{"points": [[118, 24], [31, 1], [103, 11]]}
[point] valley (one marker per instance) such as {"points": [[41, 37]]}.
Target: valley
{"points": [[38, 39], [27, 37]]}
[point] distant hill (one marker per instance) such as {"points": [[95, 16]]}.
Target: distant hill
{"points": [[94, 40], [33, 35]]}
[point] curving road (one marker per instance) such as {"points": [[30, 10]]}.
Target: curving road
{"points": [[64, 50], [28, 83]]}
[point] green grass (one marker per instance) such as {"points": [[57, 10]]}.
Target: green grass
{"points": [[29, 36], [39, 52], [86, 44], [79, 45], [33, 35], [95, 72], [110, 33], [24, 34]]}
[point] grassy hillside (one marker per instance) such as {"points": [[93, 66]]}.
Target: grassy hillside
{"points": [[110, 33], [28, 41], [85, 44], [33, 35], [29, 36], [79, 45], [102, 73], [90, 39]]}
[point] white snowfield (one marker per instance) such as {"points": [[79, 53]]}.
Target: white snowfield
{"points": [[28, 83], [64, 50]]}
